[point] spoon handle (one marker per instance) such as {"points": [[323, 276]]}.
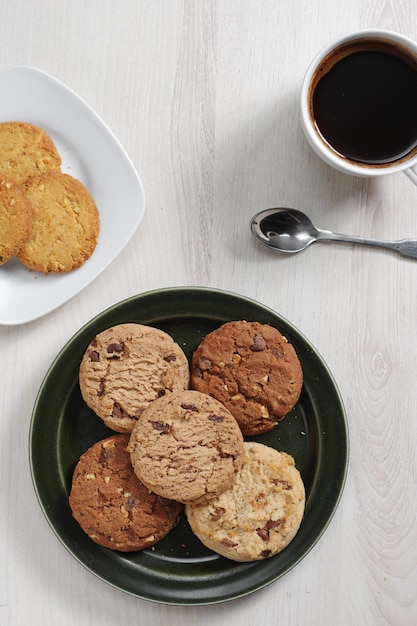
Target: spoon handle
{"points": [[405, 247]]}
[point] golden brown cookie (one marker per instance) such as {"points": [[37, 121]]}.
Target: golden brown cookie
{"points": [[15, 219], [186, 446], [65, 226], [260, 514], [128, 366], [252, 369], [112, 506], [26, 150]]}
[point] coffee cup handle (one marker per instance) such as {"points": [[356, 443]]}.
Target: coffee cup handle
{"points": [[411, 172]]}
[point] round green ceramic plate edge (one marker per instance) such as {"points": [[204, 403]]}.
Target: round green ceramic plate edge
{"points": [[179, 570]]}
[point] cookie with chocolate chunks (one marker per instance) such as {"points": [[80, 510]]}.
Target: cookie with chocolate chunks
{"points": [[187, 447], [110, 503], [261, 512], [126, 367], [252, 369]]}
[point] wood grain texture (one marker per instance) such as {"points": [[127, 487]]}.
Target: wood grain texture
{"points": [[204, 97]]}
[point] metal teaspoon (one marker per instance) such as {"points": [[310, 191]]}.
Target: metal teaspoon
{"points": [[290, 230]]}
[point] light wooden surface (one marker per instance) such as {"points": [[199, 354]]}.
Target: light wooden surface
{"points": [[204, 97]]}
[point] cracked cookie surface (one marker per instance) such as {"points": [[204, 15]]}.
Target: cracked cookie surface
{"points": [[252, 369], [110, 503], [187, 447], [128, 366], [260, 514], [65, 226]]}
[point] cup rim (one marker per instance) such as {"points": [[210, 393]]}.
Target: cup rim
{"points": [[326, 153]]}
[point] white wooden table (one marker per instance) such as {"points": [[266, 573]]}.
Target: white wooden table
{"points": [[203, 95]]}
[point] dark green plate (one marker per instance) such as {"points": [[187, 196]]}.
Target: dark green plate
{"points": [[179, 569]]}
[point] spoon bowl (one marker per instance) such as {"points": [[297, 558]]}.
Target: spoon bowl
{"points": [[287, 230], [290, 230]]}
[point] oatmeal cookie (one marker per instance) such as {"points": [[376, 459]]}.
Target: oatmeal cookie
{"points": [[252, 369], [26, 150], [260, 514], [110, 503], [65, 226], [128, 366], [15, 219], [187, 447]]}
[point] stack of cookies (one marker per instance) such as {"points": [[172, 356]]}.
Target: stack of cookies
{"points": [[48, 219], [183, 448]]}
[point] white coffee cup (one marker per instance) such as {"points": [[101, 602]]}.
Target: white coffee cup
{"points": [[401, 50]]}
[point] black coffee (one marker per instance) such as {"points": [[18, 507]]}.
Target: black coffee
{"points": [[365, 105]]}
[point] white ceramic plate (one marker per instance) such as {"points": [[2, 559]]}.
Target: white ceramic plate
{"points": [[91, 153]]}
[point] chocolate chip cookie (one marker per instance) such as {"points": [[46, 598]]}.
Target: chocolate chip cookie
{"points": [[252, 369], [128, 366], [187, 447], [260, 514], [110, 503]]}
